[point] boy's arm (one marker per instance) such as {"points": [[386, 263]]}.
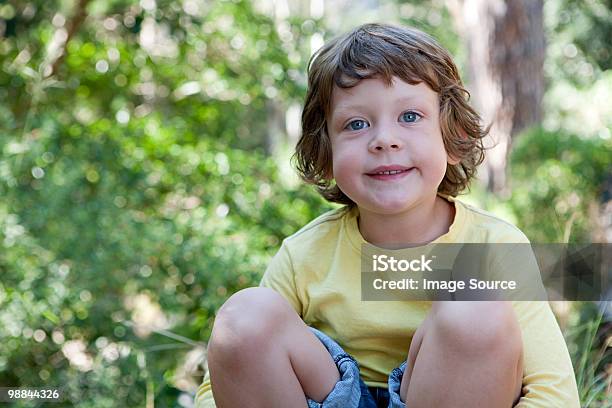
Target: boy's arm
{"points": [[548, 376], [280, 276]]}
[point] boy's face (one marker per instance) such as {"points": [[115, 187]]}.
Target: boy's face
{"points": [[375, 129]]}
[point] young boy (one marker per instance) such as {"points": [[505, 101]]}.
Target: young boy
{"points": [[387, 131]]}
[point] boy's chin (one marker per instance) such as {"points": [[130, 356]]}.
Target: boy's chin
{"points": [[388, 207]]}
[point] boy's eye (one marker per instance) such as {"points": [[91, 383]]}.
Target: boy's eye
{"points": [[357, 125], [410, 116]]}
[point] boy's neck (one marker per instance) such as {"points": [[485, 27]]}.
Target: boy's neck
{"points": [[419, 225]]}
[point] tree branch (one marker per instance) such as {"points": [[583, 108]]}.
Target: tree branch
{"points": [[73, 26]]}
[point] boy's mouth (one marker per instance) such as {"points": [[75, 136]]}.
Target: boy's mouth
{"points": [[389, 172]]}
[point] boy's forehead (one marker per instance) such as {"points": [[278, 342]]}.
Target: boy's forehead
{"points": [[343, 99]]}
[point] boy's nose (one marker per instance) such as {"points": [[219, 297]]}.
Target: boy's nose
{"points": [[391, 146], [384, 142]]}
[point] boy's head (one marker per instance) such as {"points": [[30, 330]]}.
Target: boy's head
{"points": [[386, 53]]}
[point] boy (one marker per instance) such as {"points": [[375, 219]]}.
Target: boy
{"points": [[387, 131]]}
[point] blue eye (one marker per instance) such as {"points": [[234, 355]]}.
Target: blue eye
{"points": [[410, 116], [357, 125]]}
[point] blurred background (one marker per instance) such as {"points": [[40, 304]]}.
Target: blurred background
{"points": [[145, 173]]}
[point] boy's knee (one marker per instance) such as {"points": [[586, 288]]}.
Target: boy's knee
{"points": [[479, 327], [246, 321]]}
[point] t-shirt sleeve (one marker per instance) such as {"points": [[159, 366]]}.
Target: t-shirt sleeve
{"points": [[280, 276], [548, 376], [204, 396]]}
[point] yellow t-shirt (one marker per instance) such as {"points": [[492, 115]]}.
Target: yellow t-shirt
{"points": [[317, 271]]}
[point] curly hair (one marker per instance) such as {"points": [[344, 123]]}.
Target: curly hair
{"points": [[383, 50]]}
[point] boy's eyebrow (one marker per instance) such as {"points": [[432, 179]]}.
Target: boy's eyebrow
{"points": [[348, 108]]}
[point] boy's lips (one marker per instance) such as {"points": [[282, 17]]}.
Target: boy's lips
{"points": [[391, 172]]}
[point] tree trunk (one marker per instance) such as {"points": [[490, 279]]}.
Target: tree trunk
{"points": [[506, 50]]}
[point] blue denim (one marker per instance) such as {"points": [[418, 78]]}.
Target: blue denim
{"points": [[350, 391]]}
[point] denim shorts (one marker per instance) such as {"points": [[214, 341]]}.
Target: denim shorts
{"points": [[350, 391]]}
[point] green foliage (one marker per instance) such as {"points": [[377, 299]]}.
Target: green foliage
{"points": [[136, 188], [138, 191], [589, 25], [588, 341], [557, 183], [433, 18]]}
